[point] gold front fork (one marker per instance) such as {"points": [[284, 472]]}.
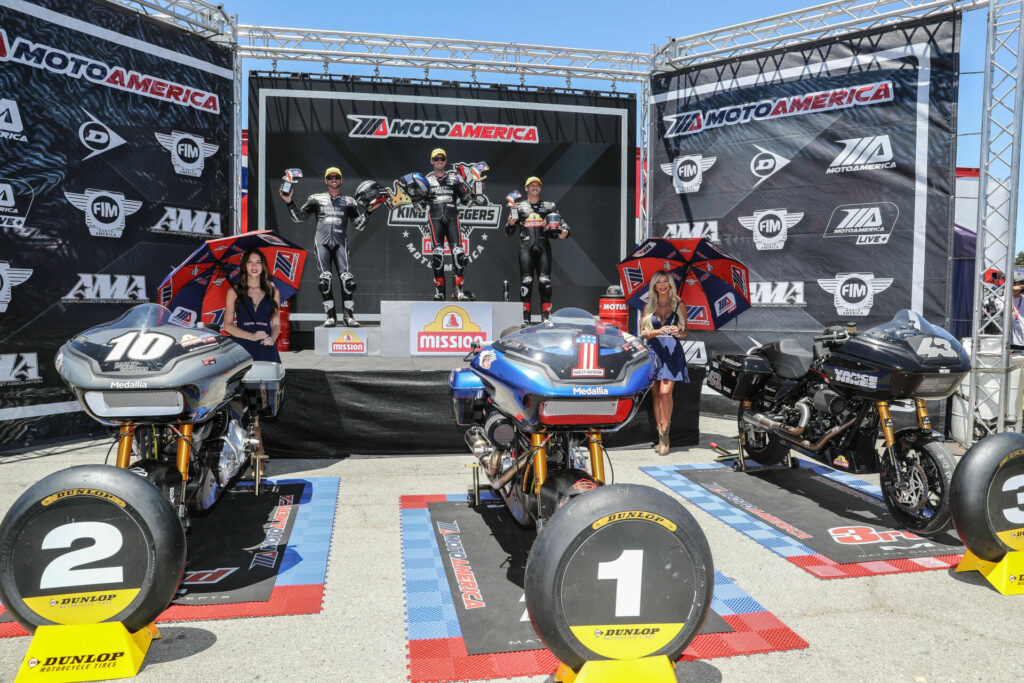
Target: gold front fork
{"points": [[540, 459], [124, 445], [922, 415], [885, 418], [184, 453], [596, 455]]}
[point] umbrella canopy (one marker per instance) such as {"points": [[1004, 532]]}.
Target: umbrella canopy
{"points": [[199, 285], [714, 286]]}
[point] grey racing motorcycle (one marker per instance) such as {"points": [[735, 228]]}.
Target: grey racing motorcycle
{"points": [[185, 401]]}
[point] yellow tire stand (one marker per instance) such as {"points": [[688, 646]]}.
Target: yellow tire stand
{"points": [[648, 669], [85, 652], [1006, 575]]}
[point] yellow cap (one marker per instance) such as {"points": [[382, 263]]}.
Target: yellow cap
{"points": [[533, 179], [332, 169], [438, 150]]}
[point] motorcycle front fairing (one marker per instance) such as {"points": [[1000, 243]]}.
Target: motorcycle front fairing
{"points": [[565, 374], [146, 367]]}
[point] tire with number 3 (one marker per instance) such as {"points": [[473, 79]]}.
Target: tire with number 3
{"points": [[621, 572], [90, 544], [987, 496]]}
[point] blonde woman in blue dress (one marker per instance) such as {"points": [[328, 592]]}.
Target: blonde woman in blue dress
{"points": [[663, 324]]}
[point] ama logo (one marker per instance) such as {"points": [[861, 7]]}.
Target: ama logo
{"points": [[19, 368], [105, 211], [286, 265], [188, 152], [108, 289]]}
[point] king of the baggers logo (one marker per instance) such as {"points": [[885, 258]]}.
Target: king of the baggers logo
{"points": [[406, 216]]}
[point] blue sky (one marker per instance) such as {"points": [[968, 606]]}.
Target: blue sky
{"points": [[636, 26]]}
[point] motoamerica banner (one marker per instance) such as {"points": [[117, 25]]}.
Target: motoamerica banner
{"points": [[828, 170], [579, 144], [115, 136]]}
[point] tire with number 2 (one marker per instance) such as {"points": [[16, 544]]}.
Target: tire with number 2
{"points": [[621, 572], [90, 544]]}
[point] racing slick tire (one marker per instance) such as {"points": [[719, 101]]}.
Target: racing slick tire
{"points": [[90, 544], [987, 494], [620, 572]]}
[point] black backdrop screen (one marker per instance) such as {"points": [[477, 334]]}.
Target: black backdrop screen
{"points": [[115, 164], [828, 170], [580, 144]]}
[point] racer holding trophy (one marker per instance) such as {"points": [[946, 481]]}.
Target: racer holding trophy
{"points": [[333, 212], [538, 223], [441, 191]]}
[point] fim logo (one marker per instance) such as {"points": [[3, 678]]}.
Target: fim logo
{"points": [[863, 154], [188, 222], [854, 293], [684, 231], [688, 171], [97, 137], [348, 342], [105, 211], [869, 223], [10, 121], [188, 152], [777, 294], [770, 227], [19, 368], [10, 277], [108, 289], [765, 164], [16, 199]]}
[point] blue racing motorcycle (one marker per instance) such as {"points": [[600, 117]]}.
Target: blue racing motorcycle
{"points": [[537, 402]]}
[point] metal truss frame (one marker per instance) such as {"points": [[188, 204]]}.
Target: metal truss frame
{"points": [[1002, 97]]}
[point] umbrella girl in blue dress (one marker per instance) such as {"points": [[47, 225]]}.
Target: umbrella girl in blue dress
{"points": [[252, 309], [663, 324]]}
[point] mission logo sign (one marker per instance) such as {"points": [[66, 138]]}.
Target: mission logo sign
{"points": [[437, 328]]}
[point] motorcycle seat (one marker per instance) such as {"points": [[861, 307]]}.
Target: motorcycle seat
{"points": [[789, 358]]}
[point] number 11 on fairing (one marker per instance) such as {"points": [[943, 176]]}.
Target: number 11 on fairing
{"points": [[627, 571]]}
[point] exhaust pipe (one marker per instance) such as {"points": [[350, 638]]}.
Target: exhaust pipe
{"points": [[764, 422], [488, 456]]}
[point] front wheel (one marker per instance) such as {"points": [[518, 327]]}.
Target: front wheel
{"points": [[761, 446], [919, 498]]}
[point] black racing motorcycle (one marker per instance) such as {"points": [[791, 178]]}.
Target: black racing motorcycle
{"points": [[830, 401]]}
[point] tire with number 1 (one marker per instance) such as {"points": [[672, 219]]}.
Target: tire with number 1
{"points": [[90, 544], [621, 572]]}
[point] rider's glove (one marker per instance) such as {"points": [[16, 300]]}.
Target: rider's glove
{"points": [[360, 222]]}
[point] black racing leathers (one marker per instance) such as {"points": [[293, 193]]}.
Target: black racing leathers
{"points": [[332, 220], [444, 195], [534, 253]]}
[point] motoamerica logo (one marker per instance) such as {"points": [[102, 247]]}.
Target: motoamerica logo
{"points": [[690, 122], [854, 293], [15, 201], [684, 231], [107, 288], [19, 368], [402, 213], [770, 227], [382, 127], [777, 294], [55, 60], [869, 223], [188, 222], [105, 211], [11, 127]]}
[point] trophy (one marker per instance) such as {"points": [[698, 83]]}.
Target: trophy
{"points": [[290, 177]]}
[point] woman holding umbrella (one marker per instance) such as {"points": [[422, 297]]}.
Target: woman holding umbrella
{"points": [[252, 309], [663, 324]]}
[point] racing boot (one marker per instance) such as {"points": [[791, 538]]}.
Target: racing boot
{"points": [[332, 317], [348, 319], [545, 312], [460, 294], [439, 293], [526, 313]]}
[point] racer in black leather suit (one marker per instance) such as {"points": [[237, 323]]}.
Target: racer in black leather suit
{"points": [[445, 191], [536, 222], [333, 212]]}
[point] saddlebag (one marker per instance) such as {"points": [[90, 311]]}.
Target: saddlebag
{"points": [[468, 401], [739, 377], [264, 385]]}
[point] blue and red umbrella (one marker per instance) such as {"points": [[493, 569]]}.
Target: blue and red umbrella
{"points": [[198, 286], [714, 286]]}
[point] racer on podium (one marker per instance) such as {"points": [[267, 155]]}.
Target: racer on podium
{"points": [[538, 223], [333, 212]]}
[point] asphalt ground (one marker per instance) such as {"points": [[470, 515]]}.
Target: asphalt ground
{"points": [[920, 627]]}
